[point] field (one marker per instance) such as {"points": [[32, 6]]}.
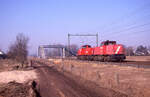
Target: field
{"points": [[123, 77], [138, 58], [110, 79]]}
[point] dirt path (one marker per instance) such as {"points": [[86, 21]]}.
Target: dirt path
{"points": [[55, 84]]}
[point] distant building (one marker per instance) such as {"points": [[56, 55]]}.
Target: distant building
{"points": [[2, 55], [148, 52]]}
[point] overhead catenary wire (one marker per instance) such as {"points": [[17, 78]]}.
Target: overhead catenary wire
{"points": [[127, 25], [127, 16], [129, 28], [136, 37], [133, 32]]}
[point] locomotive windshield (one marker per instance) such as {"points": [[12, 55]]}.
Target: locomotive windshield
{"points": [[108, 43], [86, 46]]}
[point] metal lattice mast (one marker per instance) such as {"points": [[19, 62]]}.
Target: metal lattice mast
{"points": [[69, 35]]}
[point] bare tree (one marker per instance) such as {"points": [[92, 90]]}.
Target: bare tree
{"points": [[142, 50], [19, 50], [129, 51], [73, 50], [54, 52], [148, 50]]}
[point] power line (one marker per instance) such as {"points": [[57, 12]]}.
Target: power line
{"points": [[131, 24], [135, 32], [127, 16], [130, 28]]}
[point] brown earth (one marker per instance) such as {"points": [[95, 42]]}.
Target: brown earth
{"points": [[14, 89], [124, 77], [53, 83], [138, 58], [7, 64], [16, 82], [75, 78]]}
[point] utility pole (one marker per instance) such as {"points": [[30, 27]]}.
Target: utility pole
{"points": [[97, 39], [69, 42]]}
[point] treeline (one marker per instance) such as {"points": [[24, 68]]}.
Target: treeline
{"points": [[138, 51]]}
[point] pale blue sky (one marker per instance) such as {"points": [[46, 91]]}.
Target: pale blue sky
{"points": [[49, 21]]}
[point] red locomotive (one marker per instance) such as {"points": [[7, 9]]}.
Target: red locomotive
{"points": [[108, 51]]}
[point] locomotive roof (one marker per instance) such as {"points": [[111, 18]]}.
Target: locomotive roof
{"points": [[86, 46], [107, 41]]}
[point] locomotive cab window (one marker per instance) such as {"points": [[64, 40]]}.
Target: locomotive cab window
{"points": [[102, 43], [86, 46], [111, 43], [108, 43]]}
